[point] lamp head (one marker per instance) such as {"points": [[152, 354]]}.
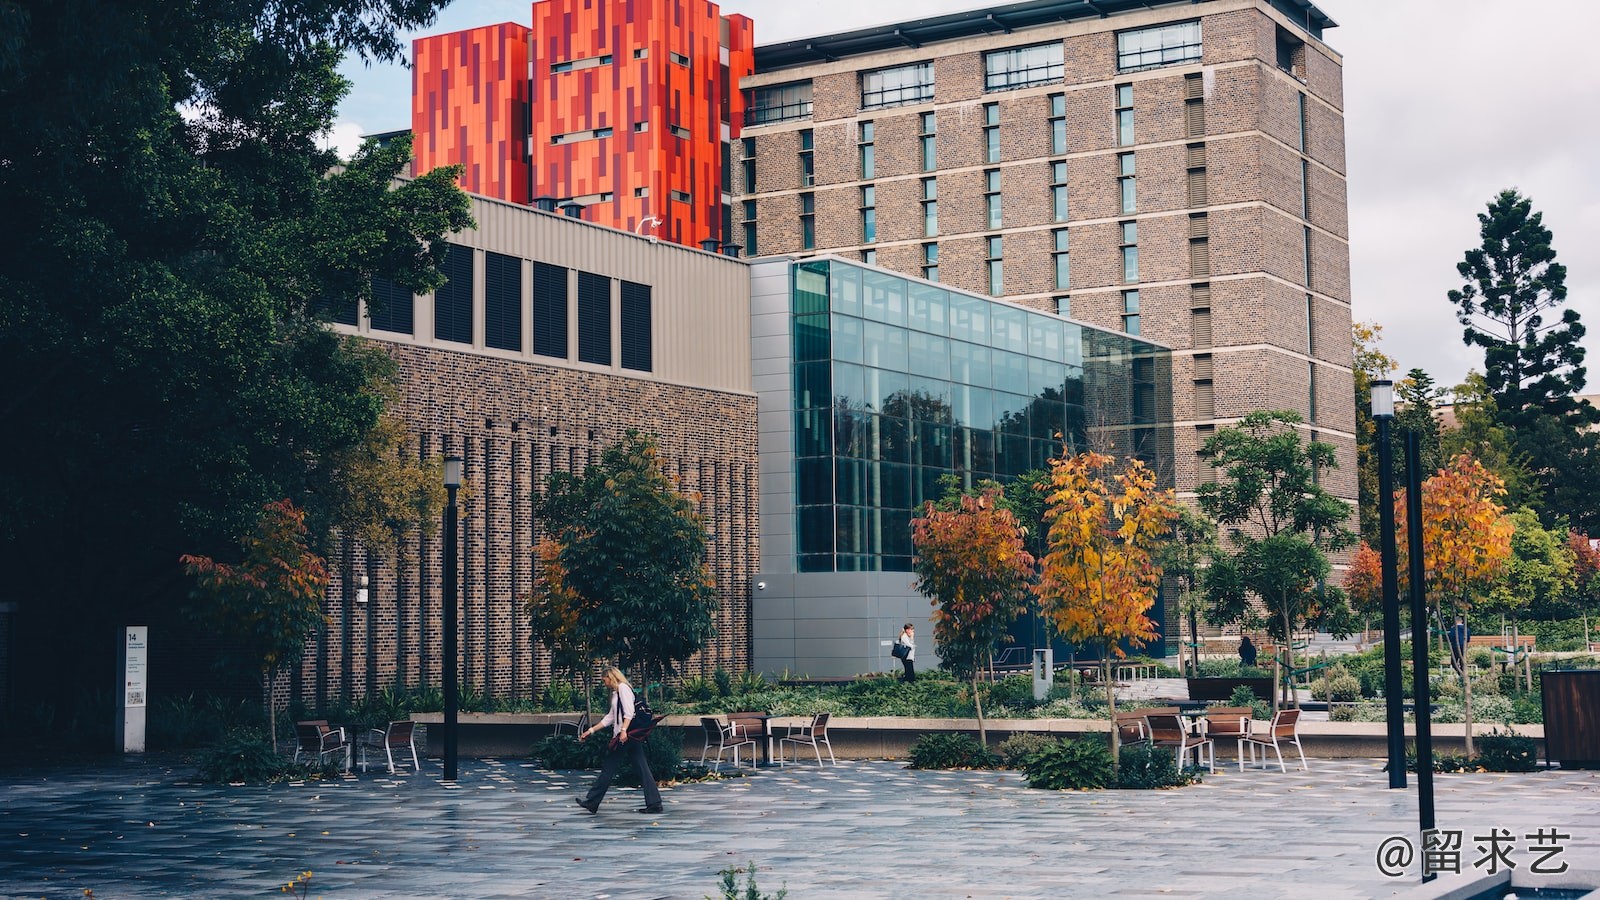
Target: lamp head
{"points": [[452, 471], [1383, 399]]}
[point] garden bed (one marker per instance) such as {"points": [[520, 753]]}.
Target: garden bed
{"points": [[1223, 688]]}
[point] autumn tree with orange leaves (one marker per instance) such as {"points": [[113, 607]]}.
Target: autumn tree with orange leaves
{"points": [[1099, 576], [1466, 541], [1363, 583], [271, 601], [1585, 575], [971, 564]]}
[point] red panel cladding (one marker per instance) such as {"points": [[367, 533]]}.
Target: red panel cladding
{"points": [[469, 106]]}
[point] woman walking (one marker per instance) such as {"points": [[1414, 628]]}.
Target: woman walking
{"points": [[618, 717], [908, 639]]}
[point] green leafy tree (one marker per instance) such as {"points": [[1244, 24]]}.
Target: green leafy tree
{"points": [[1585, 576], [632, 559], [1479, 434], [271, 601], [1541, 574], [1416, 412], [1184, 557], [1533, 365], [162, 306], [971, 564], [1281, 525]]}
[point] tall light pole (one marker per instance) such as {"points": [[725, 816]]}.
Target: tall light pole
{"points": [[1393, 689], [1421, 698], [450, 607]]}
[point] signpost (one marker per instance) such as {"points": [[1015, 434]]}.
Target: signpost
{"points": [[134, 667]]}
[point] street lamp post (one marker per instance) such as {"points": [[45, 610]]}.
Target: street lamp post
{"points": [[1421, 698], [450, 607], [1393, 689]]}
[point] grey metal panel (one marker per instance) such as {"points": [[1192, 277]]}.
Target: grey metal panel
{"points": [[775, 629]]}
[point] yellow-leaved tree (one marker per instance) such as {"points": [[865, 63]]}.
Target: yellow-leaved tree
{"points": [[1098, 578]]}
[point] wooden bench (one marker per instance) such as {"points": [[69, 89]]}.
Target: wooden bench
{"points": [[1498, 642]]}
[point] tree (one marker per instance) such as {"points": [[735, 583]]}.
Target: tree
{"points": [[632, 553], [1371, 364], [1281, 524], [1540, 575], [162, 309], [1466, 541], [971, 564], [1099, 576], [1184, 557], [557, 616], [269, 603], [1532, 368], [1479, 434], [1585, 575], [1415, 413], [1363, 584]]}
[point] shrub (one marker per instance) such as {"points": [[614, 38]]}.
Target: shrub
{"points": [[1014, 691], [1337, 685], [1344, 713], [1070, 765], [1015, 750], [1480, 657], [1507, 753], [1143, 767], [732, 891], [1244, 696], [663, 750], [950, 751], [724, 681], [751, 682], [562, 696], [564, 751], [696, 688], [1527, 709], [246, 755]]}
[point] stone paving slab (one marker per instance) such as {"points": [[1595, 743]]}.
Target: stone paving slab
{"points": [[509, 829]]}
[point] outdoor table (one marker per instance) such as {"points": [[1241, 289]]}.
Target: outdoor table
{"points": [[755, 725]]}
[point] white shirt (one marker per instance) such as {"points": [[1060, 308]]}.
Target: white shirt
{"points": [[622, 696], [911, 644]]}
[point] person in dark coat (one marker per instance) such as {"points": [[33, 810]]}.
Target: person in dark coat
{"points": [[1247, 651]]}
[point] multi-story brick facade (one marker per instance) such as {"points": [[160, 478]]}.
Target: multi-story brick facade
{"points": [[1175, 172]]}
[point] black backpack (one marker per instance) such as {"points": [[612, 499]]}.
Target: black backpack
{"points": [[644, 719]]}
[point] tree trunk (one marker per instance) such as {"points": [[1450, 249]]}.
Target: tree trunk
{"points": [[270, 676], [977, 702], [1111, 707], [1194, 636]]}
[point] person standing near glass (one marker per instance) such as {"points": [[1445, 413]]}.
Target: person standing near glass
{"points": [[619, 716], [908, 639]]}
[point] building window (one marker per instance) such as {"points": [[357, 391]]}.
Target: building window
{"points": [[870, 257], [996, 274], [1199, 245], [594, 319], [750, 228], [1058, 123], [1125, 182], [635, 327], [991, 196], [678, 58], [572, 65], [678, 131], [1311, 327], [1194, 106], [1306, 254], [1130, 251], [808, 163], [452, 303], [392, 307], [549, 310], [1159, 45], [747, 159], [930, 207], [779, 103], [930, 156], [1305, 189], [869, 214], [1058, 190], [1063, 264], [502, 302], [1064, 306], [808, 221], [574, 137], [1291, 53], [1021, 67], [1311, 392], [930, 262], [1196, 163], [1124, 115], [869, 163], [681, 196], [1130, 312], [991, 132], [1302, 114], [641, 127], [897, 85]]}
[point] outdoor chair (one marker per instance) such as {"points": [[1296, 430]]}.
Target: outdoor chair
{"points": [[1170, 730], [316, 738], [814, 736], [724, 736], [578, 726], [1229, 723], [1131, 726], [400, 735], [1283, 730]]}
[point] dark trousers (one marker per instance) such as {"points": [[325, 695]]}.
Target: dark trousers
{"points": [[613, 762], [911, 669]]}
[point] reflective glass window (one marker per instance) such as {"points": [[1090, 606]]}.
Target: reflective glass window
{"points": [[1010, 328], [885, 346], [930, 355], [930, 306]]}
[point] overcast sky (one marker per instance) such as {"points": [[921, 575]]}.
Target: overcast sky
{"points": [[1446, 103]]}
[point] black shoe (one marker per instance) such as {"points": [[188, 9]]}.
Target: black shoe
{"points": [[591, 807], [649, 810]]}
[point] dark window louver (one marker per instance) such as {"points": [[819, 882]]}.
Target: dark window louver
{"points": [[391, 308], [594, 319], [342, 311], [502, 302], [549, 310], [636, 327], [452, 303]]}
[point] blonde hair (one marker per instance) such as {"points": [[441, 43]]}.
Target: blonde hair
{"points": [[614, 674]]}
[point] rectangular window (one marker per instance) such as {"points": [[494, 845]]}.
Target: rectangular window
{"points": [[1305, 189], [1021, 67], [808, 221], [870, 257], [1058, 190], [1124, 115], [1159, 45], [678, 131], [1125, 184], [502, 302], [576, 136], [808, 163], [1306, 254], [750, 228], [1130, 312], [452, 303], [636, 349], [991, 197], [930, 262], [594, 319], [869, 165], [1311, 392], [779, 103], [549, 310], [991, 132], [869, 214], [1301, 98], [930, 207], [930, 155], [1058, 123], [681, 196], [1311, 328], [678, 58], [1064, 306], [392, 307], [573, 65], [996, 274], [1130, 251], [1063, 263], [896, 85], [748, 162]]}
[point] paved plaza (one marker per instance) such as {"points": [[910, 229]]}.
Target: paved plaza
{"points": [[861, 829]]}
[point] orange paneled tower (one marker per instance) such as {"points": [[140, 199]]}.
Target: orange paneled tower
{"points": [[632, 108]]}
